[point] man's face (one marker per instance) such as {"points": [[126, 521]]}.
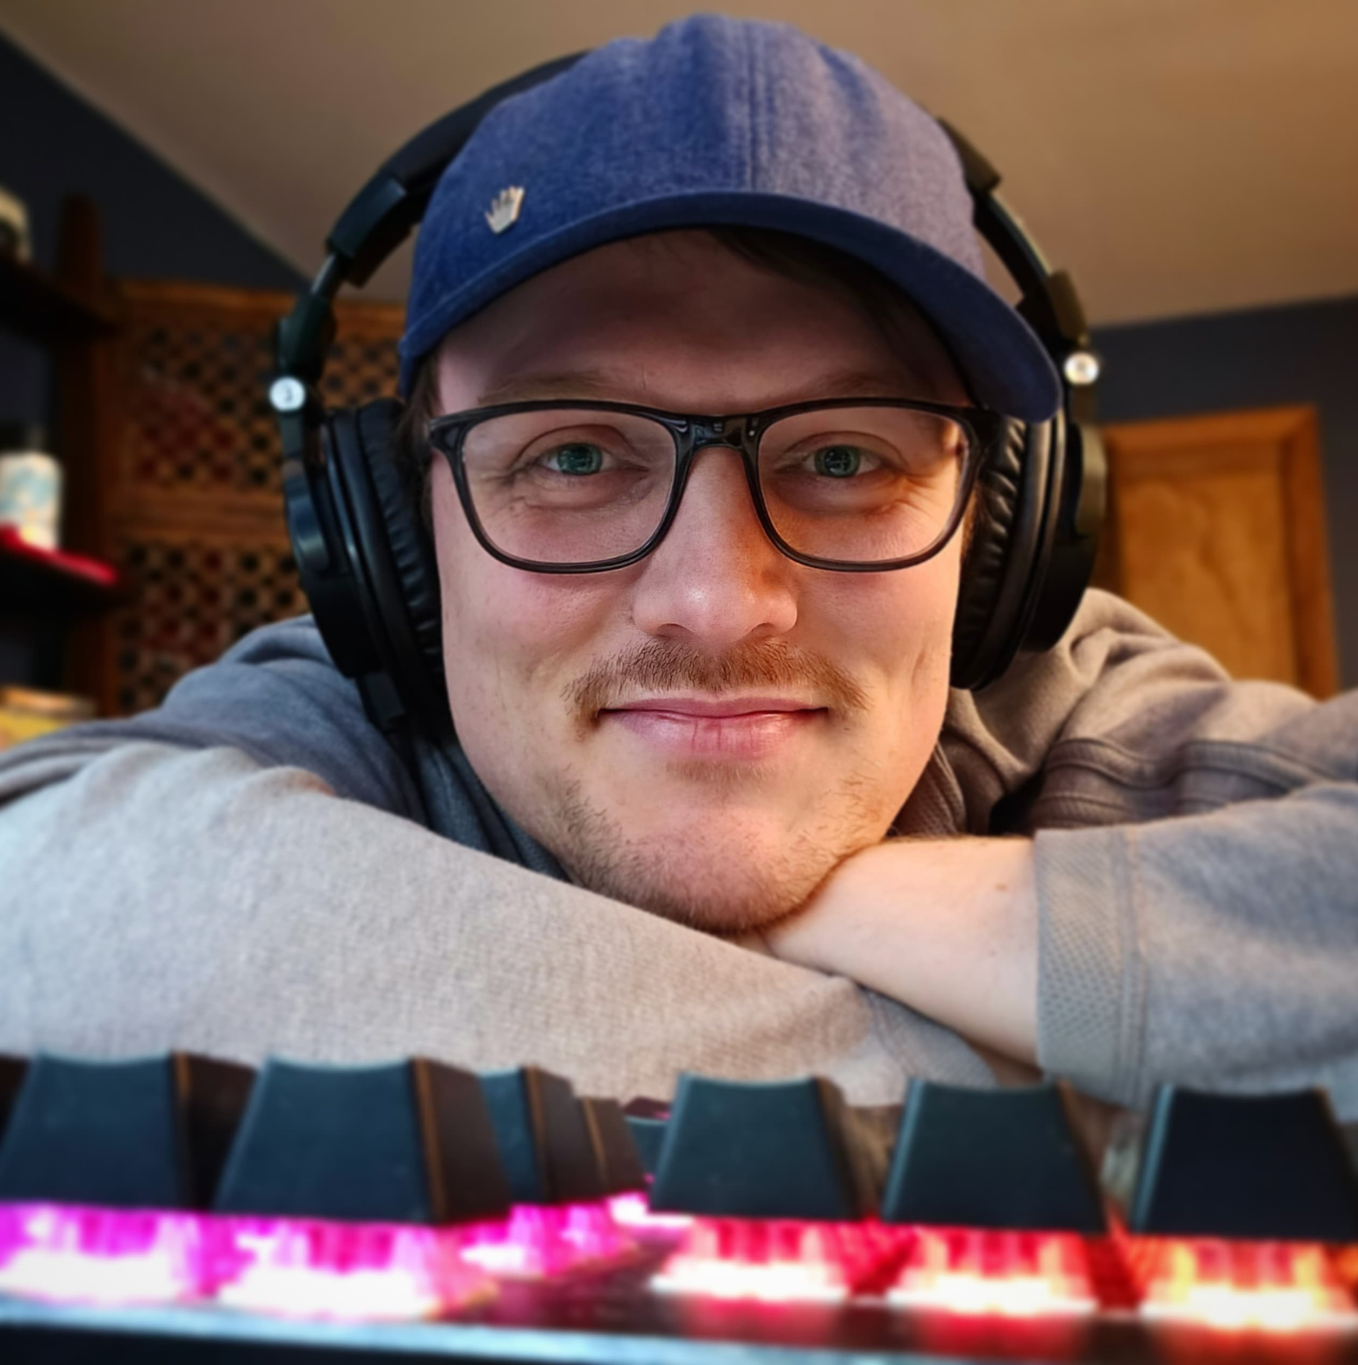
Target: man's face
{"points": [[707, 733]]}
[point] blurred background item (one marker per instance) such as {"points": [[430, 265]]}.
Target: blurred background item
{"points": [[14, 238], [30, 485], [26, 713]]}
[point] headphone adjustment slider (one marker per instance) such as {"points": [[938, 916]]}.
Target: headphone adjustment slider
{"points": [[1081, 367], [287, 394]]}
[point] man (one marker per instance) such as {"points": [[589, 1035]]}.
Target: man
{"points": [[696, 750]]}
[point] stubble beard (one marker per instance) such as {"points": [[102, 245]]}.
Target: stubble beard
{"points": [[702, 876], [701, 872]]}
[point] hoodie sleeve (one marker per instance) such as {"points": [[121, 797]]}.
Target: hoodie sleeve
{"points": [[275, 696], [164, 897], [1196, 840]]}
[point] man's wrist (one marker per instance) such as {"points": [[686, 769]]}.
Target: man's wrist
{"points": [[948, 927]]}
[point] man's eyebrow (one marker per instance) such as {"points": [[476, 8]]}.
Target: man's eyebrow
{"points": [[617, 386]]}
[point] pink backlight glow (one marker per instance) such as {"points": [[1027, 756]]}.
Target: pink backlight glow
{"points": [[540, 1241], [76, 1254], [631, 1211], [356, 1271], [1233, 1286], [777, 1260], [1001, 1273]]}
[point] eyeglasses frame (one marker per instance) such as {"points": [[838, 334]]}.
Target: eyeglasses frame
{"points": [[741, 432]]}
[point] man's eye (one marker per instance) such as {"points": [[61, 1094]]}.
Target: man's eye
{"points": [[576, 458], [837, 462]]}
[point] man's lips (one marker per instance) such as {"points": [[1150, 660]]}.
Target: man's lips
{"points": [[734, 728], [719, 707]]}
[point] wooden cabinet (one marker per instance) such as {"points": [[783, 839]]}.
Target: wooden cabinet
{"points": [[193, 494], [1217, 530], [46, 601]]}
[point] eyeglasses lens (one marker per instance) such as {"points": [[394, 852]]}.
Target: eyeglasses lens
{"points": [[856, 484]]}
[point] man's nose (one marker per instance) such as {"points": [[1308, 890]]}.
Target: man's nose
{"points": [[716, 577]]}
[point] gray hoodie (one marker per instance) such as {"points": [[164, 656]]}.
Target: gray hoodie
{"points": [[252, 869]]}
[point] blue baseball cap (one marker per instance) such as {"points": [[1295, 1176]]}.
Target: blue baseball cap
{"points": [[719, 121]]}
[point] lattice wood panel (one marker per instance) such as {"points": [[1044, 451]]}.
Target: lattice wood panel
{"points": [[196, 520], [192, 602]]}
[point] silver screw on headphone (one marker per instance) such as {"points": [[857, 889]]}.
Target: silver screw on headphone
{"points": [[287, 394], [1081, 367]]}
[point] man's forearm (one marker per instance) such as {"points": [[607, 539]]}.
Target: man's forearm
{"points": [[948, 927], [161, 898]]}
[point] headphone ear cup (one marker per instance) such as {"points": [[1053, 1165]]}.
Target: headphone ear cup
{"points": [[1010, 536], [393, 560], [408, 539]]}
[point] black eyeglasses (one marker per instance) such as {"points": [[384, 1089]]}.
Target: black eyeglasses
{"points": [[854, 485]]}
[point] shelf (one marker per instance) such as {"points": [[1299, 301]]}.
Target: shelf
{"points": [[47, 584], [40, 308]]}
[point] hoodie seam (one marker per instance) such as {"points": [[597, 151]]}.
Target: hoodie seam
{"points": [[1245, 758]]}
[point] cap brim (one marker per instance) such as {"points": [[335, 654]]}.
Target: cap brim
{"points": [[1005, 365]]}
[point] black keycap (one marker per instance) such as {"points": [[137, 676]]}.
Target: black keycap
{"points": [[761, 1150], [545, 1143], [11, 1078], [648, 1137], [617, 1153], [1265, 1167], [410, 1142], [139, 1134], [990, 1159]]}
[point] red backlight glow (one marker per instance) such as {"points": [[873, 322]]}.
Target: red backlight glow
{"points": [[776, 1260], [982, 1271], [1273, 1286]]}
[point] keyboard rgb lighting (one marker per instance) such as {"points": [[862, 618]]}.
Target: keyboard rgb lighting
{"points": [[1002, 1273], [69, 1253], [354, 1271], [542, 1242], [494, 1216], [778, 1260], [1233, 1286]]}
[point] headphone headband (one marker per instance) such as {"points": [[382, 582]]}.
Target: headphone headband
{"points": [[382, 215]]}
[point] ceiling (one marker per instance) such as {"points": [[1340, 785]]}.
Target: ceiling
{"points": [[1178, 156]]}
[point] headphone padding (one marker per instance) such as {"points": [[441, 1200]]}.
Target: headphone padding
{"points": [[394, 578], [412, 555], [999, 488]]}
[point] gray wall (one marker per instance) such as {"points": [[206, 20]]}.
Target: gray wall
{"points": [[51, 144], [154, 224]]}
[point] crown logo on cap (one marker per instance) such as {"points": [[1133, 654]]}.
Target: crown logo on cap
{"points": [[504, 212]]}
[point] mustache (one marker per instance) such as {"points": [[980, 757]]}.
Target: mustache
{"points": [[672, 665]]}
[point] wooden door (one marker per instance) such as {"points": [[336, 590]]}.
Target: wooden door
{"points": [[1217, 530]]}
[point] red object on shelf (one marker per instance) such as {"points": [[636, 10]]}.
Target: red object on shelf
{"points": [[93, 570]]}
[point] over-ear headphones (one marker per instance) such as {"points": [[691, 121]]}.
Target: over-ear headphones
{"points": [[364, 556]]}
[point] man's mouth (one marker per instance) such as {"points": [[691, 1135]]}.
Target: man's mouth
{"points": [[732, 728]]}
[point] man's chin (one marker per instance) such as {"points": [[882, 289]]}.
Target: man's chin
{"points": [[726, 879], [717, 898], [724, 866]]}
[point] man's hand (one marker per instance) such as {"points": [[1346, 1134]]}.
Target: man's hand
{"points": [[948, 927]]}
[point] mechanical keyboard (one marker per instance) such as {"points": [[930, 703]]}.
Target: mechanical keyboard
{"points": [[184, 1208]]}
